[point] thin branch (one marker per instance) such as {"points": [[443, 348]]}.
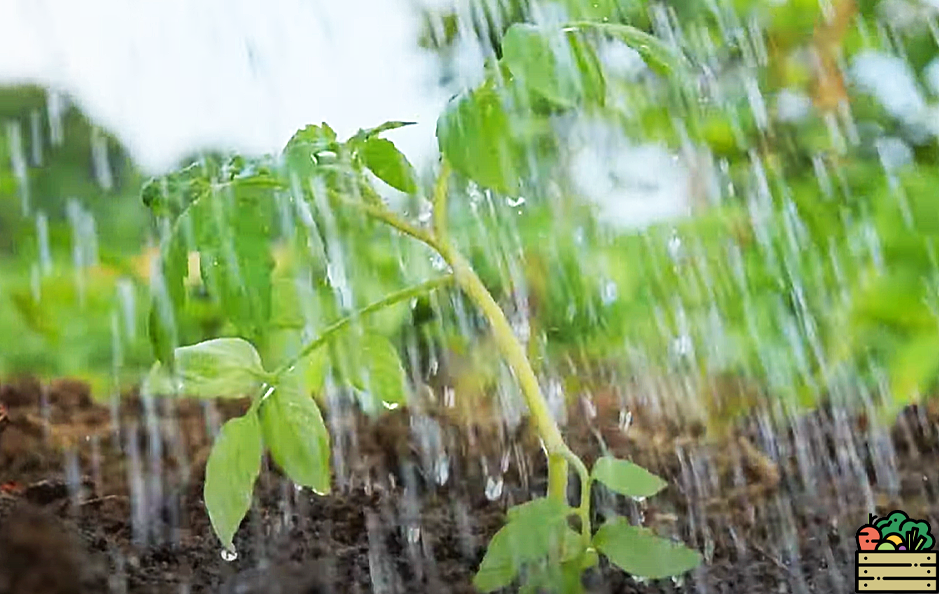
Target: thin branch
{"points": [[386, 216], [330, 332]]}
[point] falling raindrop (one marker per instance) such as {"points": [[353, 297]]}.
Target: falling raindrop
{"points": [[494, 488], [442, 469], [414, 534]]}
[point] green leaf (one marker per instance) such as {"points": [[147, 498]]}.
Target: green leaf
{"points": [[535, 531], [231, 226], [382, 375], [313, 139], [302, 151], [538, 511], [639, 552], [297, 437], [626, 478], [656, 54], [230, 474], [544, 67], [217, 368], [370, 132], [388, 164], [233, 233], [556, 578], [171, 194], [474, 135], [166, 308]]}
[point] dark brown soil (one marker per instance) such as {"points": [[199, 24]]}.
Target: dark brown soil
{"points": [[96, 500]]}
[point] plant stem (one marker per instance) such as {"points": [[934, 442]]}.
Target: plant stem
{"points": [[514, 353], [386, 216], [340, 325], [583, 509]]}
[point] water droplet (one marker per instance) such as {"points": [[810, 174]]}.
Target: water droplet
{"points": [[414, 534], [229, 556], [442, 469], [494, 488]]}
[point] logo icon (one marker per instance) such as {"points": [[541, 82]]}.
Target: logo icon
{"points": [[895, 554]]}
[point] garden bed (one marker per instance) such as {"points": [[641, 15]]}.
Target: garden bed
{"points": [[137, 523]]}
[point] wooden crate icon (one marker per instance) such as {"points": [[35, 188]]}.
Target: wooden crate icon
{"points": [[896, 571]]}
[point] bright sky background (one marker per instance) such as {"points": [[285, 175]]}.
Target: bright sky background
{"points": [[173, 76]]}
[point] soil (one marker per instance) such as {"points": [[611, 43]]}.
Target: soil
{"points": [[98, 499]]}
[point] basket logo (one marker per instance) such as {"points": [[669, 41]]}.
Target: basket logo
{"points": [[895, 555]]}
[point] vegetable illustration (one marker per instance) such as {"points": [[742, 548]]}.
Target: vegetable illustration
{"points": [[895, 532], [868, 536], [894, 538], [892, 524], [916, 534], [886, 545]]}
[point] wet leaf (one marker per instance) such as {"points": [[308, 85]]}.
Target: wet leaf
{"points": [[544, 65], [639, 552], [171, 194], [556, 578], [296, 435], [302, 150], [233, 231], [656, 54], [392, 125], [313, 138], [388, 164], [217, 368], [535, 531], [474, 135], [230, 474], [382, 375], [626, 478]]}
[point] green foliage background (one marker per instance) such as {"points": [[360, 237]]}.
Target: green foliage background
{"points": [[833, 283]]}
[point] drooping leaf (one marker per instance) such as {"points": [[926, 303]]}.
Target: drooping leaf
{"points": [[474, 134], [296, 435], [217, 368], [626, 478], [230, 474], [641, 553], [388, 164]]}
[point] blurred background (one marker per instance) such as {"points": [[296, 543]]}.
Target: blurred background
{"points": [[779, 226]]}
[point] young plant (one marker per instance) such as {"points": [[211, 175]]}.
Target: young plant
{"points": [[225, 212]]}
